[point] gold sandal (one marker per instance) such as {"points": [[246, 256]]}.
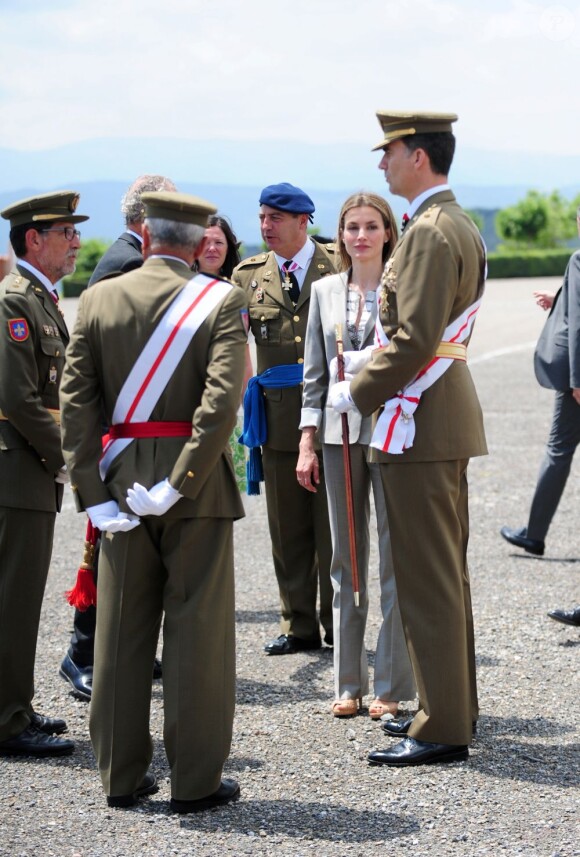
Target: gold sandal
{"points": [[345, 707], [379, 707]]}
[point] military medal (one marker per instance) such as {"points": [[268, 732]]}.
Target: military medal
{"points": [[52, 375], [264, 330], [259, 295]]}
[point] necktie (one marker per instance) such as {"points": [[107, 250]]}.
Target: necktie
{"points": [[404, 221], [290, 283], [54, 296]]}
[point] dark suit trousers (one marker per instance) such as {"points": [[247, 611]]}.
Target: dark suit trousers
{"points": [[555, 468], [301, 545], [428, 517], [25, 548], [183, 568]]}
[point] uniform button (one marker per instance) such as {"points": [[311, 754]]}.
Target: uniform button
{"points": [[57, 353], [300, 360], [263, 318], [190, 473], [296, 318], [297, 339]]}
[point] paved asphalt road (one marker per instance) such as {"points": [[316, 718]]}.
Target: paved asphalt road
{"points": [[306, 786]]}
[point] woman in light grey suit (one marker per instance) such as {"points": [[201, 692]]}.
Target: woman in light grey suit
{"points": [[366, 235]]}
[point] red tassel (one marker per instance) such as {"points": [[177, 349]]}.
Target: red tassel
{"points": [[84, 593]]}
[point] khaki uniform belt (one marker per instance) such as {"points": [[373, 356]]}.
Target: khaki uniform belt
{"points": [[54, 412], [452, 351]]}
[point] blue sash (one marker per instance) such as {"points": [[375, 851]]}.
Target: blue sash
{"points": [[255, 432]]}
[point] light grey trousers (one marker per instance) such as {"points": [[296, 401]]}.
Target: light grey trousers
{"points": [[393, 674]]}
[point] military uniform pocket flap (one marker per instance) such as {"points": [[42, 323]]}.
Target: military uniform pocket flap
{"points": [[264, 313], [52, 347]]}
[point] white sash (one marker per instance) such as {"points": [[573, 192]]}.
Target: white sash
{"points": [[395, 428], [158, 360]]}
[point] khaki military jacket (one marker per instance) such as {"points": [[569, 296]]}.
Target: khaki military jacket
{"points": [[115, 320], [33, 338], [279, 329], [436, 271]]}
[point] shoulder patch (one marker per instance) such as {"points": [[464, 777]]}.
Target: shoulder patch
{"points": [[18, 329]]}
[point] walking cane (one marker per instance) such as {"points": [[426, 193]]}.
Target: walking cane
{"points": [[347, 472]]}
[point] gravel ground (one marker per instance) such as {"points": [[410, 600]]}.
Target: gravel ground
{"points": [[306, 786]]}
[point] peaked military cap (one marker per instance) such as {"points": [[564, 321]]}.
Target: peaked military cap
{"points": [[396, 125], [45, 208], [287, 197], [182, 207]]}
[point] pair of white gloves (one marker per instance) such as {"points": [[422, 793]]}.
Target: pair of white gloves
{"points": [[155, 501], [339, 396]]}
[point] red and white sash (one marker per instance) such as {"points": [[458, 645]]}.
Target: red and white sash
{"points": [[160, 357], [395, 428]]}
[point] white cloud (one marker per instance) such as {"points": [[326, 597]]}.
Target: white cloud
{"points": [[312, 70]]}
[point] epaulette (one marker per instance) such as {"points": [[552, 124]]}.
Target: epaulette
{"points": [[16, 283], [258, 259]]}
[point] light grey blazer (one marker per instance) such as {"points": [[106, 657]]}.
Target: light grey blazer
{"points": [[328, 308]]}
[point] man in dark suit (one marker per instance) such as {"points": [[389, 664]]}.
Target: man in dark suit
{"points": [[170, 394], [277, 286], [33, 338], [125, 254], [557, 367], [432, 286]]}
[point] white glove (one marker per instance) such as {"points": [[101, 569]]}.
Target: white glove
{"points": [[157, 501], [354, 361], [106, 517], [340, 398], [61, 476]]}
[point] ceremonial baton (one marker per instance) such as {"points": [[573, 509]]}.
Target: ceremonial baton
{"points": [[347, 472]]}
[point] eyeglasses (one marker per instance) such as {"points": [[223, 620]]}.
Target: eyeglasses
{"points": [[69, 232]]}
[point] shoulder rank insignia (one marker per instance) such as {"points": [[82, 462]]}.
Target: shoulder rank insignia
{"points": [[18, 329]]}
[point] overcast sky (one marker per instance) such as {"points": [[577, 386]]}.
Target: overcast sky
{"points": [[311, 70]]}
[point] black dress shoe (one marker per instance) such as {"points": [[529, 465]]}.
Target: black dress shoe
{"points": [[228, 791], [33, 742], [157, 669], [401, 727], [79, 678], [520, 539], [48, 725], [410, 751], [287, 644], [568, 617], [148, 787]]}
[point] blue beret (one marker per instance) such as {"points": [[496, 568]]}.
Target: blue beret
{"points": [[286, 197]]}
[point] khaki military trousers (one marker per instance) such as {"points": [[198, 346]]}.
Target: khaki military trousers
{"points": [[25, 549], [301, 545], [184, 568], [428, 516]]}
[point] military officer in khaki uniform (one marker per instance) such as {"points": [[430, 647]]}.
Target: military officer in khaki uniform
{"points": [[431, 290], [33, 337], [159, 352], [277, 286]]}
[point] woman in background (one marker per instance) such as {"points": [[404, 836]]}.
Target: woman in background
{"points": [[366, 236], [220, 254]]}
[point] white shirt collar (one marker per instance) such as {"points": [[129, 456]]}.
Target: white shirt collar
{"points": [[135, 235], [419, 200], [50, 287], [302, 258]]}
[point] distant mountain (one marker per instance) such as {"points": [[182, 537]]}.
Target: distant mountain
{"points": [[232, 173]]}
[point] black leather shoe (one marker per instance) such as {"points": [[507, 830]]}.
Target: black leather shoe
{"points": [[148, 787], [33, 742], [410, 751], [79, 678], [568, 617], [48, 725], [157, 669], [401, 727], [520, 539], [287, 644], [228, 791]]}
